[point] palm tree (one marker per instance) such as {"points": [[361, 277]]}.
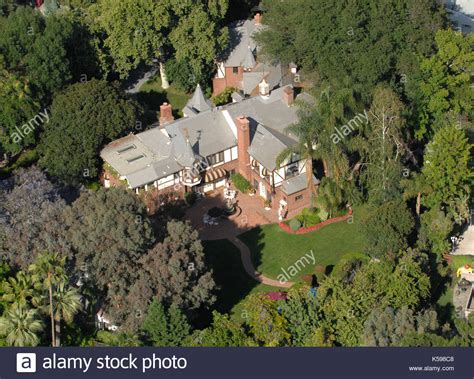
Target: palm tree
{"points": [[48, 272], [335, 106], [67, 302], [19, 290], [329, 196], [314, 130], [306, 131], [20, 326]]}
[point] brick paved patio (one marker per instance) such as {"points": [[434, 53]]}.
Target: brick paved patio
{"points": [[250, 214]]}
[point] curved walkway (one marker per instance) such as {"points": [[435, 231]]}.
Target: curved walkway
{"points": [[246, 257]]}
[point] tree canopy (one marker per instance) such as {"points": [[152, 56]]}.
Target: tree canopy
{"points": [[83, 119]]}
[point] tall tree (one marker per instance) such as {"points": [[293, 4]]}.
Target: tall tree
{"points": [[347, 304], [301, 310], [66, 304], [165, 327], [265, 322], [446, 81], [48, 67], [176, 269], [31, 219], [48, 273], [136, 31], [18, 108], [84, 118], [200, 23], [449, 172], [370, 43], [386, 228], [389, 327], [109, 232], [381, 146]]}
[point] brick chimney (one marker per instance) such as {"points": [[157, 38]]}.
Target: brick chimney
{"points": [[243, 143], [258, 18], [166, 114], [288, 96]]}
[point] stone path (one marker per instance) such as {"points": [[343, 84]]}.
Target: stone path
{"points": [[466, 245], [251, 216], [246, 257]]}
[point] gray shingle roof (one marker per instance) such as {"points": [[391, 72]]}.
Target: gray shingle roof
{"points": [[209, 133], [296, 184], [156, 153], [142, 158], [199, 102], [265, 146], [240, 35]]}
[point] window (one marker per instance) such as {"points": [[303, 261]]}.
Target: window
{"points": [[299, 197], [215, 158], [235, 70]]}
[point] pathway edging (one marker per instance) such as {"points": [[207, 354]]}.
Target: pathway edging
{"points": [[246, 257]]}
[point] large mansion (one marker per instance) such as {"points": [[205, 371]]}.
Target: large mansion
{"points": [[199, 152]]}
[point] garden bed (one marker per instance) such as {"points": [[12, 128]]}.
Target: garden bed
{"points": [[303, 230]]}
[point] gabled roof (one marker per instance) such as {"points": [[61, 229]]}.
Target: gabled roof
{"points": [[241, 41], [208, 133], [142, 158], [265, 146], [297, 183], [159, 152]]}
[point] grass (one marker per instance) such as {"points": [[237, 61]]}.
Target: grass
{"points": [[234, 283], [462, 260], [151, 95], [445, 301], [272, 248]]}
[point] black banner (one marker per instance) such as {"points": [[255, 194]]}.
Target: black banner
{"points": [[238, 363]]}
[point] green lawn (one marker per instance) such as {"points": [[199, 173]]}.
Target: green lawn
{"points": [[445, 300], [272, 248], [235, 285], [151, 95]]}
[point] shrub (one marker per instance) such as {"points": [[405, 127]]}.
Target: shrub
{"points": [[309, 217], [295, 224], [323, 215], [225, 97], [190, 198], [242, 184]]}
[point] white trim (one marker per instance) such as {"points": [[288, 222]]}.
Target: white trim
{"points": [[230, 122]]}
